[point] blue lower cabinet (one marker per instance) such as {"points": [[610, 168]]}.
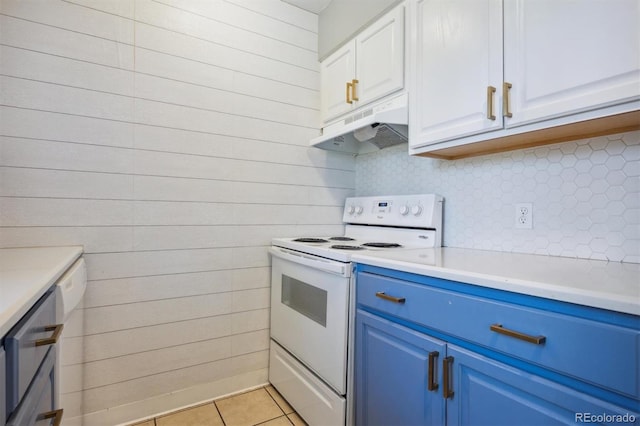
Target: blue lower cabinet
{"points": [[398, 383], [487, 392], [37, 406], [27, 345], [435, 352], [442, 307], [396, 367]]}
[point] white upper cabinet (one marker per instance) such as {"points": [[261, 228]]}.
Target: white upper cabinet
{"points": [[380, 57], [565, 63], [367, 68], [337, 73], [456, 69], [569, 56]]}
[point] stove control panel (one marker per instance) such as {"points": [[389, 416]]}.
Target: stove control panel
{"points": [[419, 211], [383, 207]]}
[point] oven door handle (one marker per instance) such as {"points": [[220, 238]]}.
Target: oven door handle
{"points": [[312, 261]]}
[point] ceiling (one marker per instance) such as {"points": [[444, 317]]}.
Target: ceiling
{"points": [[314, 6]]}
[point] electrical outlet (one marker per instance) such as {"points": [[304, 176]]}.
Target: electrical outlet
{"points": [[524, 215]]}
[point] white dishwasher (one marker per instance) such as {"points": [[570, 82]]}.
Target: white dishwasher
{"points": [[70, 290]]}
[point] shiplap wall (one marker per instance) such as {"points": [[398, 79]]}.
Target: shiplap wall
{"points": [[169, 138]]}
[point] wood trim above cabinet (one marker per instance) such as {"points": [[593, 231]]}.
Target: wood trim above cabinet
{"points": [[612, 124]]}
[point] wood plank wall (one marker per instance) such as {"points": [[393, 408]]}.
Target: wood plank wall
{"points": [[169, 138]]}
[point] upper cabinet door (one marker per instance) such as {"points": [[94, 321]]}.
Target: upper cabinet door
{"points": [[380, 58], [455, 58], [568, 56], [367, 68], [337, 73]]}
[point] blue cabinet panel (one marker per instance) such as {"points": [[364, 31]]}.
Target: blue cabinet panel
{"points": [[392, 373], [470, 317], [39, 398], [24, 356], [487, 392], [582, 369], [3, 390]]}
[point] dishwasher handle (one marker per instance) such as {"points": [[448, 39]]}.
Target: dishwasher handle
{"points": [[315, 262]]}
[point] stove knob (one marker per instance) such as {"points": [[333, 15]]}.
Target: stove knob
{"points": [[404, 210], [416, 210], [350, 210], [359, 210]]}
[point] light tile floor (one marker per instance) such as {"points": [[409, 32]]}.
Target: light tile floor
{"points": [[264, 406]]}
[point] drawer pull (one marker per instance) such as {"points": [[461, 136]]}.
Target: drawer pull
{"points": [[498, 328], [57, 329], [349, 92], [490, 91], [354, 93], [506, 87], [432, 385], [447, 372], [382, 295], [55, 414]]}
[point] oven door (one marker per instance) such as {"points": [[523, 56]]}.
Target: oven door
{"points": [[309, 312]]}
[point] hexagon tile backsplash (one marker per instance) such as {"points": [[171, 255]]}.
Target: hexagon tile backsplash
{"points": [[585, 195]]}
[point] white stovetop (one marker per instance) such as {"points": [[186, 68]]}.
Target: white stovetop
{"points": [[407, 238], [609, 285], [26, 274]]}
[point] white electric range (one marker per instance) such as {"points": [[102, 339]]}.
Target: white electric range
{"points": [[312, 297]]}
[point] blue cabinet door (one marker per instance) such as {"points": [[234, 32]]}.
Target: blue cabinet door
{"points": [[392, 375], [487, 392], [36, 408]]}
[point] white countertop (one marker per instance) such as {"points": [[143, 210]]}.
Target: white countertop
{"points": [[26, 274], [609, 285]]}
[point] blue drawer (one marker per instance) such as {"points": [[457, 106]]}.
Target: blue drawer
{"points": [[26, 346], [591, 351], [38, 402]]}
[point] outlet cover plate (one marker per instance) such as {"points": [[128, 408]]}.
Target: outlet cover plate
{"points": [[524, 216]]}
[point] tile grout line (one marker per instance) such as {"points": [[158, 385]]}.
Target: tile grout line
{"points": [[277, 405], [286, 415], [264, 388], [219, 412]]}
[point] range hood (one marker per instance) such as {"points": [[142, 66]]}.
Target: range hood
{"points": [[379, 126]]}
